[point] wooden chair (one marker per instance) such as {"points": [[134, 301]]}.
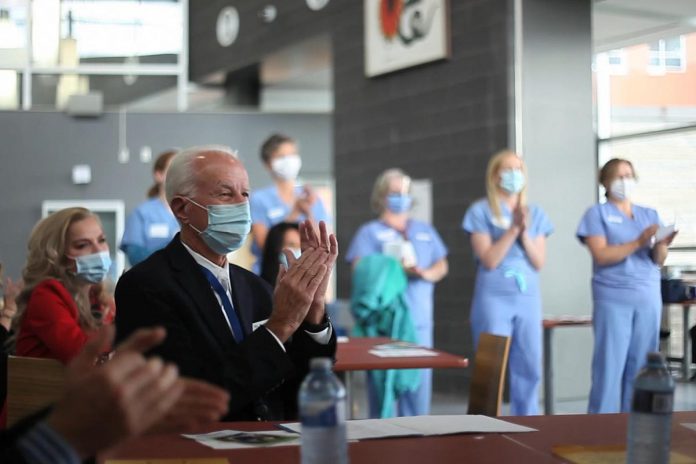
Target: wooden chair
{"points": [[32, 384], [488, 379]]}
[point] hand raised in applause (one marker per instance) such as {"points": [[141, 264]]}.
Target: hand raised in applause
{"points": [[295, 289], [127, 396], [311, 240]]}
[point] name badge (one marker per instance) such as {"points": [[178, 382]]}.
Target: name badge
{"points": [[423, 237], [387, 234], [502, 222], [158, 231], [614, 219], [275, 213]]}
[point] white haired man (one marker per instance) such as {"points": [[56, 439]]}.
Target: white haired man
{"points": [[226, 325]]}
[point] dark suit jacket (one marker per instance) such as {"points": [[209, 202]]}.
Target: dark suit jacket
{"points": [[170, 289]]}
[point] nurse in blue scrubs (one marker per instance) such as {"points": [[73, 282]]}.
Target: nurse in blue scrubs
{"points": [[508, 238], [625, 286], [151, 225], [423, 255], [284, 201]]}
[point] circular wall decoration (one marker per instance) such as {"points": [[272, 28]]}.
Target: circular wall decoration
{"points": [[227, 28], [317, 4]]}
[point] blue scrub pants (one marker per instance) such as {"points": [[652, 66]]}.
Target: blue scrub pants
{"points": [[625, 330], [517, 316]]}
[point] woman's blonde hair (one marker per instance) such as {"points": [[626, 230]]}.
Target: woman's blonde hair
{"points": [[381, 188], [492, 185], [46, 259]]}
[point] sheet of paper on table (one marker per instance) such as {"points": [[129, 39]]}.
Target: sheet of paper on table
{"points": [[417, 426], [238, 439], [690, 426], [400, 350]]}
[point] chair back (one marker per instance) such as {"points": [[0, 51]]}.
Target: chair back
{"points": [[32, 384], [488, 379]]}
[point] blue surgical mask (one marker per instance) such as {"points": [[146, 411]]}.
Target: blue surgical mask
{"points": [[228, 226], [512, 180], [296, 252], [93, 268], [399, 203]]}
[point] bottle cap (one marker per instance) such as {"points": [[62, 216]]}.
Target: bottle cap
{"points": [[320, 363], [655, 358]]}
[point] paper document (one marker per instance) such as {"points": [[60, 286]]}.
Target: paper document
{"points": [[421, 426], [235, 439], [400, 350], [690, 426], [664, 232]]}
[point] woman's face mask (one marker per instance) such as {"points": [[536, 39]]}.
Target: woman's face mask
{"points": [[512, 180], [286, 167], [399, 203], [622, 188], [93, 267]]}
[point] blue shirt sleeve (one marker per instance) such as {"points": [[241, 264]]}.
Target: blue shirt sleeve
{"points": [[541, 224], [591, 225], [439, 247], [475, 220], [258, 209], [42, 445], [363, 244], [134, 233], [319, 212]]}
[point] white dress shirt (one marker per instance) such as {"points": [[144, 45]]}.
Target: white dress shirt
{"points": [[223, 275]]}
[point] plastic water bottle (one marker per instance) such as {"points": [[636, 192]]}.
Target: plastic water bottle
{"points": [[322, 402], [650, 422]]}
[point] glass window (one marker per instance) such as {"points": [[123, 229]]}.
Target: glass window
{"points": [[667, 55], [647, 95]]}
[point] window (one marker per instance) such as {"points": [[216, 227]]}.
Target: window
{"points": [[667, 55], [617, 61]]}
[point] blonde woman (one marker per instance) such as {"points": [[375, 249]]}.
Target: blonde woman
{"points": [[508, 238], [63, 299]]}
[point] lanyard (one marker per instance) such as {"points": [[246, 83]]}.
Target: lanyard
{"points": [[235, 325]]}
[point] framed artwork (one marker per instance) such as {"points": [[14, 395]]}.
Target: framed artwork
{"points": [[404, 33]]}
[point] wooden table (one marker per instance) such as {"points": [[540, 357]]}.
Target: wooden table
{"points": [[549, 325], [519, 448], [354, 355]]}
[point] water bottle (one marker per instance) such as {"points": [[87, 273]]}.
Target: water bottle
{"points": [[322, 402], [650, 422]]}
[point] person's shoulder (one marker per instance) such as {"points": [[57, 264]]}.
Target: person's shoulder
{"points": [[644, 209], [150, 269], [262, 193], [51, 285], [47, 290], [480, 204]]}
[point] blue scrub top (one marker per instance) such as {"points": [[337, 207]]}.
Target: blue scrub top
{"points": [[269, 209], [429, 248], [515, 266], [150, 226], [635, 272]]}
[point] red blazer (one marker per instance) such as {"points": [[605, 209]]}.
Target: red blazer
{"points": [[50, 326]]}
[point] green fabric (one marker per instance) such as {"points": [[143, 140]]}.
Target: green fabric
{"points": [[379, 307]]}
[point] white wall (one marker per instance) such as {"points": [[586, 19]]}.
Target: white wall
{"points": [[557, 142]]}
